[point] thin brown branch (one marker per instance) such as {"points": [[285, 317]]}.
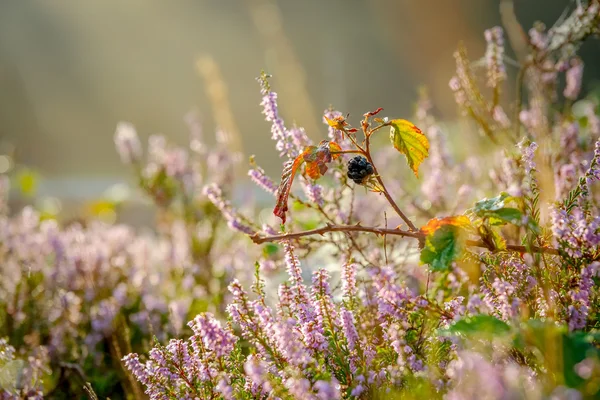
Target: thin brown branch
{"points": [[385, 231], [384, 190]]}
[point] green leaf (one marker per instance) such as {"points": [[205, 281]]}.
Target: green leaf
{"points": [[577, 346], [270, 249], [565, 349], [491, 237], [493, 204], [494, 211], [504, 216], [410, 141], [442, 247], [479, 324]]}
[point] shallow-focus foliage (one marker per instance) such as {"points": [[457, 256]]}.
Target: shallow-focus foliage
{"points": [[459, 276]]}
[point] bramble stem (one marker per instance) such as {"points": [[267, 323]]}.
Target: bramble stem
{"points": [[256, 238], [384, 190], [346, 152]]}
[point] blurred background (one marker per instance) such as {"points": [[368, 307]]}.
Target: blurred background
{"points": [[69, 71]]}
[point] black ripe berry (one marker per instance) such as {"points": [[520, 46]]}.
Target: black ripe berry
{"points": [[359, 169]]}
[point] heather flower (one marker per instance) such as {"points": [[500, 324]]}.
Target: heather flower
{"points": [[574, 77], [593, 172], [391, 297], [349, 329], [528, 152], [577, 234], [289, 343], [322, 299], [565, 180], [259, 177], [580, 297], [225, 389], [215, 195], [314, 193], [137, 369], [501, 381], [127, 143], [500, 117], [327, 390], [299, 138], [283, 139], [593, 119], [494, 55], [214, 337], [349, 288], [257, 375], [537, 37], [334, 134], [459, 92], [434, 186]]}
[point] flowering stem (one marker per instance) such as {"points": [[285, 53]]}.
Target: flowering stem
{"points": [[256, 238]]}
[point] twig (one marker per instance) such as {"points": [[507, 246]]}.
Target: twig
{"points": [[385, 231]]}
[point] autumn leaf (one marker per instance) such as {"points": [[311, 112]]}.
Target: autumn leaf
{"points": [[338, 122], [410, 141], [434, 224], [372, 113], [444, 242], [316, 159], [283, 191]]}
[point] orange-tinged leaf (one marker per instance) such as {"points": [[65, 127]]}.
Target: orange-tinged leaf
{"points": [[338, 122], [283, 191], [434, 224], [316, 159], [334, 147], [410, 141], [313, 170]]}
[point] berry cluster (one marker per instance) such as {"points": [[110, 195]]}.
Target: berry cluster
{"points": [[359, 169]]}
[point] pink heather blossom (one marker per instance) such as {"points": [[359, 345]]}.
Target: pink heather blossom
{"points": [[494, 56], [259, 177], [574, 78], [127, 143]]}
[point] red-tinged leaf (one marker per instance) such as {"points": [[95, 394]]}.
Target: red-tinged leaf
{"points": [[283, 192], [434, 224], [371, 113], [410, 141], [315, 170], [316, 159]]}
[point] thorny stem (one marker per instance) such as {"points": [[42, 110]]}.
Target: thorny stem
{"points": [[389, 198], [256, 238], [346, 152], [387, 195], [366, 151]]}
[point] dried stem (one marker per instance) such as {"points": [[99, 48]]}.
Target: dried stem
{"points": [[385, 231]]}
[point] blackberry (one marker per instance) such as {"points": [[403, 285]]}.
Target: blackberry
{"points": [[359, 169]]}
